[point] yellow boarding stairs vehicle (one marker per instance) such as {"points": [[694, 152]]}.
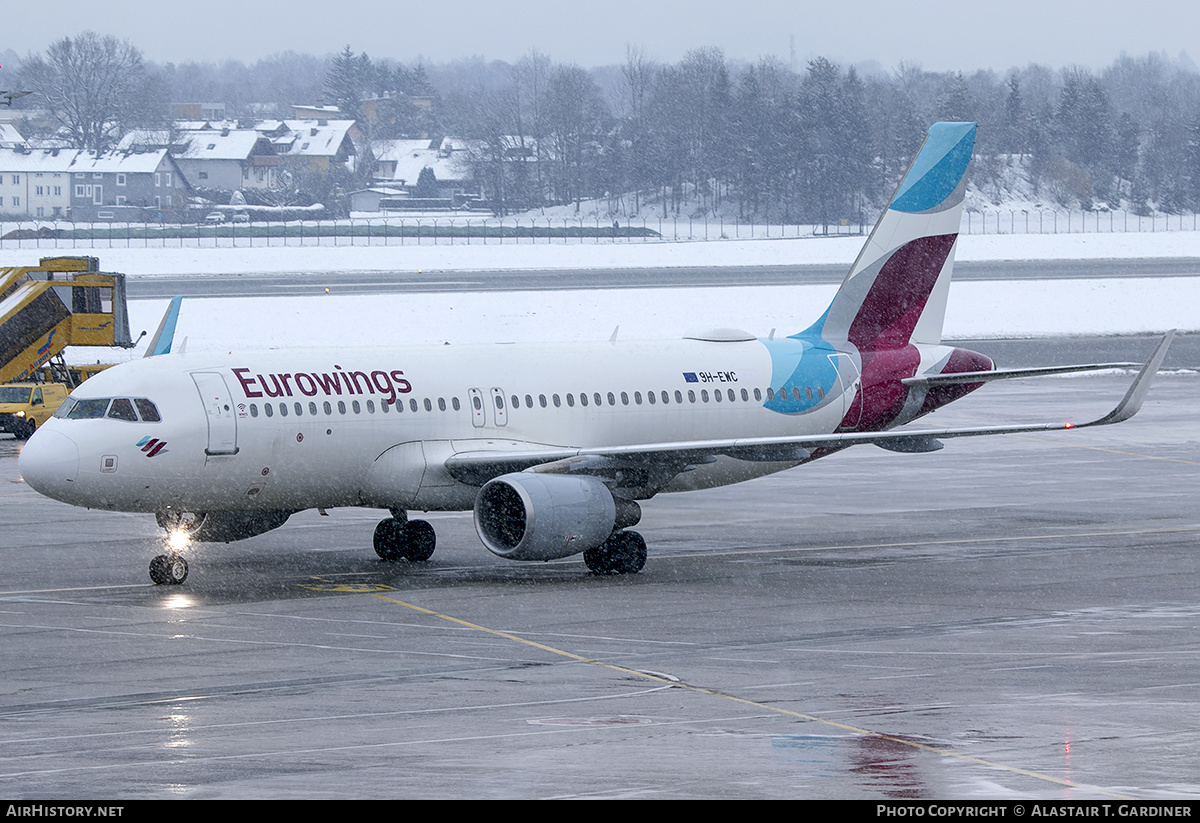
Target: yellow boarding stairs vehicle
{"points": [[63, 301]]}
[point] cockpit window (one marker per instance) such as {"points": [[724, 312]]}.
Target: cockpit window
{"points": [[88, 409], [147, 410], [122, 409]]}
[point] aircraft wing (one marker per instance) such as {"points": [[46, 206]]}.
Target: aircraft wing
{"points": [[479, 466]]}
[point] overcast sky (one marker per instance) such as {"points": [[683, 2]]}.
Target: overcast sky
{"points": [[939, 35]]}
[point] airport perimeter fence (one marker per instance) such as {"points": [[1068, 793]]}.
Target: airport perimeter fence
{"points": [[474, 230]]}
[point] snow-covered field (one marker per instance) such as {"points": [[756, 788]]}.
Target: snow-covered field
{"points": [[510, 256], [976, 309]]}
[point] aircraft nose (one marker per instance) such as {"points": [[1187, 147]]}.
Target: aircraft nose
{"points": [[49, 462]]}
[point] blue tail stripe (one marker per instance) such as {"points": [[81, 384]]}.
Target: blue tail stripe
{"points": [[938, 168]]}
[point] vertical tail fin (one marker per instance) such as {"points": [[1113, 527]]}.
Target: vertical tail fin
{"points": [[160, 343], [896, 290]]}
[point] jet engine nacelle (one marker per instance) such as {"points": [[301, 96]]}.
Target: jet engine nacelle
{"points": [[529, 516], [222, 527]]}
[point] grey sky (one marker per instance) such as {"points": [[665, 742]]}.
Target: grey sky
{"points": [[938, 35]]}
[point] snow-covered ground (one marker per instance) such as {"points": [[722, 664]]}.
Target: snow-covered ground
{"points": [[512, 256], [976, 309]]}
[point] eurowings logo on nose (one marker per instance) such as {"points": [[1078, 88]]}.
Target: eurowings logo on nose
{"points": [[152, 446]]}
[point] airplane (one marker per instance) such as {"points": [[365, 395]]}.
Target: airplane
{"points": [[554, 447]]}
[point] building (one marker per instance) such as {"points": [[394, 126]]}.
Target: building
{"points": [[399, 163], [126, 186], [198, 111], [313, 145], [228, 159], [83, 186], [35, 182], [10, 138]]}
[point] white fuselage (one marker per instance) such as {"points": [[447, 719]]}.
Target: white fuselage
{"points": [[288, 430]]}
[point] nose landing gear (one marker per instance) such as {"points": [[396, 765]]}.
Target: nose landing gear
{"points": [[168, 569]]}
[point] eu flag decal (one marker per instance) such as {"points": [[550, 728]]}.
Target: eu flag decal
{"points": [[690, 377]]}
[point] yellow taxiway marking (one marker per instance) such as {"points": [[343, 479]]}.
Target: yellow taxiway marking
{"points": [[347, 588], [657, 678]]}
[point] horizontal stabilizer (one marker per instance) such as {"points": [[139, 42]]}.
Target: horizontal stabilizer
{"points": [[1007, 374]]}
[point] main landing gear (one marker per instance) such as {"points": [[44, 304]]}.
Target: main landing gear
{"points": [[400, 539], [622, 553], [168, 570]]}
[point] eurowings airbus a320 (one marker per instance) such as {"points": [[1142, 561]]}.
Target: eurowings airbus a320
{"points": [[553, 446]]}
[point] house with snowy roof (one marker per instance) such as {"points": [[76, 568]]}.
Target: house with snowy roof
{"points": [[126, 185], [399, 163], [229, 159], [317, 145], [35, 182], [85, 186], [10, 138]]}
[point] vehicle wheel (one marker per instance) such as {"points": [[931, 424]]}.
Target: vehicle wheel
{"points": [[168, 570], [419, 540], [389, 539]]}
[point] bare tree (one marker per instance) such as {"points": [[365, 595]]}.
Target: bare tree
{"points": [[92, 86]]}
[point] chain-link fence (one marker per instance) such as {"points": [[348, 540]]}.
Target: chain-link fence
{"points": [[477, 230]]}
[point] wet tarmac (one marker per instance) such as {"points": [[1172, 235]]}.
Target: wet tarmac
{"points": [[258, 284], [1008, 617]]}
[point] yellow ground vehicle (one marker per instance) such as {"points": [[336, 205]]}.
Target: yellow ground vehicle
{"points": [[25, 406], [62, 301]]}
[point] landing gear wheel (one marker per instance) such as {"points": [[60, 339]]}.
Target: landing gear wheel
{"points": [[420, 541], [399, 540], [622, 553], [389, 537], [168, 570]]}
